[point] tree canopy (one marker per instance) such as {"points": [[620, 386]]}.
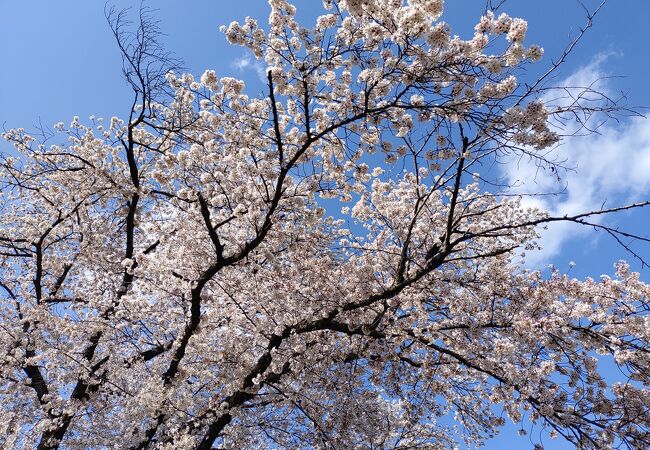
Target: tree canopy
{"points": [[335, 264]]}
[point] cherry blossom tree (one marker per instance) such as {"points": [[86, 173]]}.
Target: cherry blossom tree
{"points": [[334, 264]]}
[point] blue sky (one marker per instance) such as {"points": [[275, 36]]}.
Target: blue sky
{"points": [[59, 60]]}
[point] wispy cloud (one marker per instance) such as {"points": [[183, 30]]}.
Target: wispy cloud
{"points": [[246, 62], [611, 167]]}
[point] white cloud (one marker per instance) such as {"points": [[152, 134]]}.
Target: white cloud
{"points": [[609, 167], [245, 62]]}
